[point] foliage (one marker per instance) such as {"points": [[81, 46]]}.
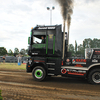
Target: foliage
{"points": [[95, 43], [0, 96], [79, 50], [71, 48], [16, 51], [10, 52], [3, 51], [26, 51], [87, 43], [22, 51]]}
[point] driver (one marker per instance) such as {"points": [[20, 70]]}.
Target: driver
{"points": [[43, 39]]}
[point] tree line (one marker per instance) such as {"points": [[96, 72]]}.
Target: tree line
{"points": [[79, 50], [3, 51]]}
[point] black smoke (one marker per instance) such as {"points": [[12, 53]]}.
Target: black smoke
{"points": [[66, 10]]}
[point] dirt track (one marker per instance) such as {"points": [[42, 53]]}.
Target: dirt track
{"points": [[19, 85]]}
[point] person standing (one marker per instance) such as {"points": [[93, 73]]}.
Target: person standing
{"points": [[3, 58], [19, 59]]}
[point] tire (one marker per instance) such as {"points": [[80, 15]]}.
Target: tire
{"points": [[39, 73], [94, 76]]}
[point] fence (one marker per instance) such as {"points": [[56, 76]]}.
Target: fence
{"points": [[10, 59]]}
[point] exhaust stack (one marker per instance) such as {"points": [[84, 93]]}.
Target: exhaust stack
{"points": [[66, 11], [63, 41]]}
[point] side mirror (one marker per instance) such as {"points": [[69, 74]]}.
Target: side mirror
{"points": [[28, 40]]}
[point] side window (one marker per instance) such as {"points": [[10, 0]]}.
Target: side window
{"points": [[96, 54], [36, 40], [39, 37]]}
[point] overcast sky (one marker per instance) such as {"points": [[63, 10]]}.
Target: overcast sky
{"points": [[18, 16]]}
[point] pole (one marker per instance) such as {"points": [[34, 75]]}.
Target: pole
{"points": [[48, 8], [50, 17]]}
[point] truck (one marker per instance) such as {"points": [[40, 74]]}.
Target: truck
{"points": [[46, 58]]}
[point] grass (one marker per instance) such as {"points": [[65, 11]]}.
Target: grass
{"points": [[12, 66], [0, 96]]}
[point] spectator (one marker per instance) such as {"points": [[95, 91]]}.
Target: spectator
{"points": [[0, 60], [3, 58], [19, 59]]}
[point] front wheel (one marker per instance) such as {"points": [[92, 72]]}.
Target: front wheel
{"points": [[39, 73], [94, 76]]}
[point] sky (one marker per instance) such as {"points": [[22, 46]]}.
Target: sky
{"points": [[17, 17]]}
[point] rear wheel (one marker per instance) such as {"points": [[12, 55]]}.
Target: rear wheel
{"points": [[39, 73], [94, 76]]}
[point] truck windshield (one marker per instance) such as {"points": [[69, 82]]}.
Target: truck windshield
{"points": [[39, 37]]}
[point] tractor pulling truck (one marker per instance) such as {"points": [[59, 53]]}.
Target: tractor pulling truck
{"points": [[46, 57]]}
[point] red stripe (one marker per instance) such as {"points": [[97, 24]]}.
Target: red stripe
{"points": [[82, 74]]}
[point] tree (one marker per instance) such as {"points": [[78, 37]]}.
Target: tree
{"points": [[95, 43], [71, 49], [81, 50], [3, 51], [75, 46], [16, 51], [26, 51], [10, 52], [22, 51], [87, 43]]}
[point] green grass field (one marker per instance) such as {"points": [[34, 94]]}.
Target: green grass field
{"points": [[12, 66]]}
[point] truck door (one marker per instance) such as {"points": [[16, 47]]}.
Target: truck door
{"points": [[39, 43]]}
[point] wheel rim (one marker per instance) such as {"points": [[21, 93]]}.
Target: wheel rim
{"points": [[96, 77], [38, 73]]}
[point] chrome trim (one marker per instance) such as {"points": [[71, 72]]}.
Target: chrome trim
{"points": [[51, 69], [50, 74], [83, 63], [92, 53], [72, 67], [50, 63], [93, 65]]}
